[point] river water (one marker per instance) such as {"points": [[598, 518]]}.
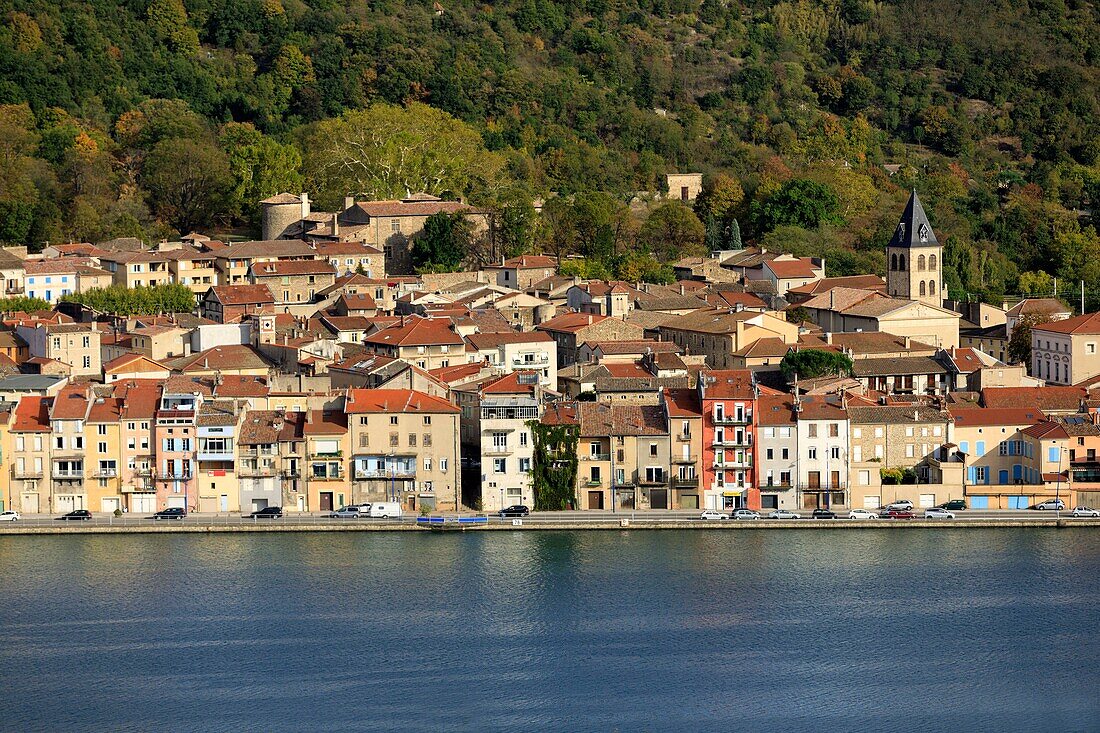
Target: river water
{"points": [[862, 630]]}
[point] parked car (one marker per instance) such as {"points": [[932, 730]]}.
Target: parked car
{"points": [[904, 505], [746, 514], [823, 514], [711, 514], [516, 510], [170, 513], [347, 512], [862, 514], [76, 515], [1078, 511], [9, 516], [897, 514], [938, 513], [268, 512], [1056, 504], [784, 514], [386, 509], [955, 505]]}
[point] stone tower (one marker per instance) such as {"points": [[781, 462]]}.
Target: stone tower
{"points": [[914, 258]]}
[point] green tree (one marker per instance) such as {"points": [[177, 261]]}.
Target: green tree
{"points": [[721, 196], [1033, 284], [814, 363], [798, 314], [141, 300], [798, 202], [25, 305], [259, 166], [386, 151], [190, 181], [672, 231], [1019, 343], [733, 235], [553, 465], [443, 244]]}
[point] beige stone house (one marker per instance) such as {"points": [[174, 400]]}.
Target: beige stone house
{"points": [[137, 269], [404, 447], [520, 273], [428, 343], [572, 330], [1066, 351], [720, 334], [293, 282], [77, 345]]}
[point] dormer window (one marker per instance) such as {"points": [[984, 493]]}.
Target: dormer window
{"points": [[923, 232]]}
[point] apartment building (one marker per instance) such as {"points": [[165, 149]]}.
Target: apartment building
{"points": [[175, 440], [520, 273], [104, 454], [69, 488], [232, 303], [295, 282], [216, 484], [823, 451], [995, 452], [571, 330], [506, 446], [328, 483], [728, 400], [74, 344], [405, 447], [511, 351], [429, 343], [193, 268], [685, 421], [777, 453], [137, 269], [234, 261], [349, 257], [140, 400], [29, 487], [624, 455], [1065, 351], [720, 334]]}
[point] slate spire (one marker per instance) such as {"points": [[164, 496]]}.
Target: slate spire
{"points": [[914, 229]]}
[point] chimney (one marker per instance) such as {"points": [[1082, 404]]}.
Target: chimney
{"points": [[907, 342], [681, 288], [336, 225], [349, 202], [589, 319], [829, 337], [305, 205]]}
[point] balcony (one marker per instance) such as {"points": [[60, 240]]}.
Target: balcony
{"points": [[217, 455], [138, 486], [732, 441], [25, 473], [595, 457], [68, 475], [685, 482], [733, 462], [685, 459], [291, 473], [105, 473], [743, 419], [684, 437], [328, 476], [326, 456], [653, 481], [143, 471], [256, 471], [776, 487], [257, 453], [400, 474], [593, 483], [173, 475], [497, 450], [835, 487], [538, 360]]}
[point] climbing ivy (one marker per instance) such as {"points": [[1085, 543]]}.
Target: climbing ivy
{"points": [[554, 467]]}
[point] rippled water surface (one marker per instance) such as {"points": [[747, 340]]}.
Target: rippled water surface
{"points": [[876, 630]]}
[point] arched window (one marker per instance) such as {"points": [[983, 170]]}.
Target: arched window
{"points": [[920, 262], [901, 262], [922, 290], [931, 287], [931, 262], [894, 262]]}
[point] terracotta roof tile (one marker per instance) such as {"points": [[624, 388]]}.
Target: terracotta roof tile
{"points": [[395, 401]]}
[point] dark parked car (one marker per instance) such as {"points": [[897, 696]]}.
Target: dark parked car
{"points": [[954, 505], [518, 510], [170, 513], [823, 514], [898, 514], [268, 512], [77, 515]]}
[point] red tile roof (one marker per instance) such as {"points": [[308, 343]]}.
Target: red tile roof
{"points": [[106, 409], [416, 331], [525, 262], [243, 294], [482, 341], [683, 403], [728, 384], [395, 401], [985, 416], [71, 403], [570, 322], [1088, 323], [802, 267], [409, 207], [775, 410], [32, 415], [510, 384], [1059, 399], [288, 268], [321, 422], [140, 397]]}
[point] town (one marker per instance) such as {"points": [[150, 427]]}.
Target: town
{"points": [[317, 371]]}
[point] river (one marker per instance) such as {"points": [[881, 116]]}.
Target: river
{"points": [[785, 630]]}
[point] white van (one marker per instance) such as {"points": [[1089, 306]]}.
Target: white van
{"points": [[390, 509]]}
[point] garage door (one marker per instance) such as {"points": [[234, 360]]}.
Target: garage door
{"points": [[1018, 502], [927, 500], [109, 504], [689, 501], [64, 503], [30, 504], [872, 502], [177, 502], [143, 503], [658, 499], [979, 502]]}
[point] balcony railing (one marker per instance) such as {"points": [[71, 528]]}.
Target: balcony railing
{"points": [[106, 473], [143, 471], [291, 472], [326, 456], [539, 360], [732, 441], [685, 482], [68, 475], [595, 457], [256, 471], [834, 487], [25, 473], [329, 476], [744, 419], [398, 473], [220, 456], [593, 483], [174, 476], [497, 450], [745, 462], [684, 437], [776, 487], [653, 481], [685, 459]]}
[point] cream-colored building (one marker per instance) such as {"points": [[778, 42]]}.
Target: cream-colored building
{"points": [[511, 351], [193, 268], [75, 344], [137, 269], [1066, 351], [719, 334], [404, 447]]}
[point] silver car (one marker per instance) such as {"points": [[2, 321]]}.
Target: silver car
{"points": [[1051, 504], [1078, 511], [746, 514], [784, 514], [938, 513]]}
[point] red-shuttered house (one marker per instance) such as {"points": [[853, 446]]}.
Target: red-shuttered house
{"points": [[728, 400]]}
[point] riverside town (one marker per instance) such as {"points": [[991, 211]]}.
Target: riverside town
{"points": [[314, 373]]}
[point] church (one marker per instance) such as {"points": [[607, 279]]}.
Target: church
{"points": [[914, 258]]}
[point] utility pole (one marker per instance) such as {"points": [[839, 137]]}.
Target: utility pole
{"points": [[1082, 297]]}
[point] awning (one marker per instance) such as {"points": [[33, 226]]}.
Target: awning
{"points": [[733, 493]]}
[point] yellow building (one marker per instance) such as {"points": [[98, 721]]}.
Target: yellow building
{"points": [[104, 455], [328, 485], [30, 455]]}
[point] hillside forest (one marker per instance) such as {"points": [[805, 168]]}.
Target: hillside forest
{"points": [[810, 121]]}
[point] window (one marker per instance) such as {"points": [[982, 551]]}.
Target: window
{"points": [[364, 420], [1090, 348], [525, 465], [101, 429], [980, 473], [87, 362], [500, 465], [427, 464], [443, 465], [86, 342], [857, 432], [834, 430], [19, 443], [909, 452], [412, 440], [769, 454], [811, 430], [812, 454], [426, 440], [523, 438], [102, 448], [834, 452], [652, 449], [786, 454], [393, 419], [59, 442], [878, 432]]}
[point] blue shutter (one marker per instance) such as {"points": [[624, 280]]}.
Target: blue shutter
{"points": [[981, 448], [965, 446], [1002, 478], [972, 474], [1017, 471]]}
